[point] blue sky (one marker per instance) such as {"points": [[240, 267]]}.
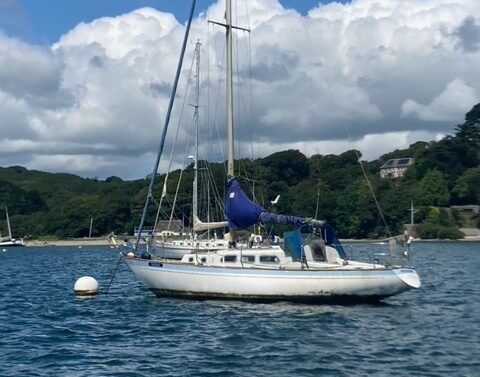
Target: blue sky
{"points": [[44, 21]]}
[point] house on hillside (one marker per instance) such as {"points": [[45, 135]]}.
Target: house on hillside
{"points": [[395, 168]]}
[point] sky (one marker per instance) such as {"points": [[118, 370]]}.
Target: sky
{"points": [[84, 85], [44, 21]]}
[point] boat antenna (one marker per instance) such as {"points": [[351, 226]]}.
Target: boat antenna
{"points": [[165, 127]]}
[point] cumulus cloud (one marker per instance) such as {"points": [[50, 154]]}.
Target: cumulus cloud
{"points": [[365, 74], [26, 70], [451, 104], [468, 34]]}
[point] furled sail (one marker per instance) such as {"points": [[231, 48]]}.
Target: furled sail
{"points": [[199, 226], [241, 212]]}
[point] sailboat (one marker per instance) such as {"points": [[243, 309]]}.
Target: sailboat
{"points": [[177, 248], [10, 241], [312, 266]]}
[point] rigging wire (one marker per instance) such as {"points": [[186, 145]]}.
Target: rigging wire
{"points": [[387, 229], [217, 100], [174, 144], [250, 74], [214, 185], [175, 199], [241, 99], [165, 128]]}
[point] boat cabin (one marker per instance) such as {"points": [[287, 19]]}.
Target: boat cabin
{"points": [[268, 257]]}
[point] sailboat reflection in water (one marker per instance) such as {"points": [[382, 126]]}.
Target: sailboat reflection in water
{"points": [[316, 270]]}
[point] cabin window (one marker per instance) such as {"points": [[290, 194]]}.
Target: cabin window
{"points": [[219, 244], [248, 258], [230, 258], [203, 259], [318, 253], [190, 259], [269, 259]]}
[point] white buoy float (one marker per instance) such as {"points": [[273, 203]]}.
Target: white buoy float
{"points": [[86, 286]]}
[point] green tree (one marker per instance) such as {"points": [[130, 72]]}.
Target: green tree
{"points": [[432, 190], [453, 155], [439, 224], [290, 166], [467, 188], [336, 171], [468, 134], [356, 215]]}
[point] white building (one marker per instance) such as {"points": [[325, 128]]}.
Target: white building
{"points": [[395, 168]]}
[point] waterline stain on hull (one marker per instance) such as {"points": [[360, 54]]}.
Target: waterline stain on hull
{"points": [[318, 299]]}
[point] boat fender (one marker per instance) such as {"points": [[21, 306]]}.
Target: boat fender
{"points": [[258, 238]]}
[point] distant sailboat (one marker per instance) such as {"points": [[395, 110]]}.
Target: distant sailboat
{"points": [[10, 241], [317, 270], [177, 248]]}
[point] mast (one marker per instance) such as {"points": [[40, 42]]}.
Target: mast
{"points": [[8, 224], [90, 231], [165, 127], [195, 115], [228, 19], [412, 212]]}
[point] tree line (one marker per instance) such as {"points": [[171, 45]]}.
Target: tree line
{"points": [[330, 187]]}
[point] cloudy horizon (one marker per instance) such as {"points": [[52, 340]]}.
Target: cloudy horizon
{"points": [[374, 76]]}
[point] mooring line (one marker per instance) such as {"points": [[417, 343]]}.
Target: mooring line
{"points": [[113, 273]]}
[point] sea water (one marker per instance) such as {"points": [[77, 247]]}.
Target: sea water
{"points": [[46, 331]]}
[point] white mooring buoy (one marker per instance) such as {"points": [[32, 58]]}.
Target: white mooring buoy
{"points": [[86, 286]]}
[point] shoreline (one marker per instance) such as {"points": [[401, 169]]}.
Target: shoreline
{"points": [[79, 242], [416, 240], [104, 241]]}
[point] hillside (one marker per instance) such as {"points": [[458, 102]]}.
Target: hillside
{"points": [[445, 173]]}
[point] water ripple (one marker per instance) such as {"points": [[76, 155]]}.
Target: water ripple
{"points": [[47, 331]]}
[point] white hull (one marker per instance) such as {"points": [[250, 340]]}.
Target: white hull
{"points": [[170, 250], [339, 284], [13, 243]]}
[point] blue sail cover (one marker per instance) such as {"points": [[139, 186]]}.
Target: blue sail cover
{"points": [[241, 212], [330, 237]]}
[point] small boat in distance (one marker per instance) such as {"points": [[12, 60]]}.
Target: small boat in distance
{"points": [[10, 241]]}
